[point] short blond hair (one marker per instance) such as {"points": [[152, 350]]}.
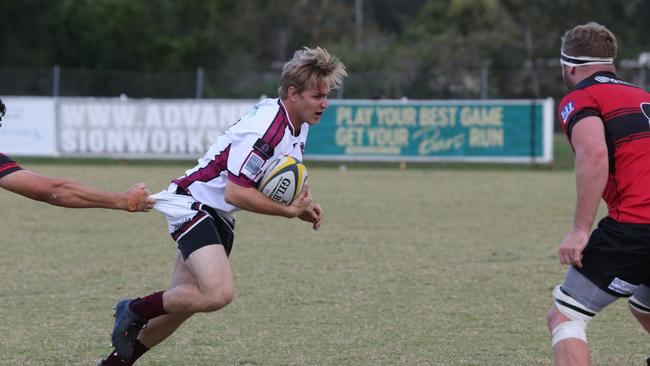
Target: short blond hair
{"points": [[589, 40], [311, 67]]}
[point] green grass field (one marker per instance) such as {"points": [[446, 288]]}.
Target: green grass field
{"points": [[414, 267]]}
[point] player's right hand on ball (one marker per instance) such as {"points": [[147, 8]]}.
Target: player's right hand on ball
{"points": [[300, 204], [138, 200], [313, 214], [572, 246]]}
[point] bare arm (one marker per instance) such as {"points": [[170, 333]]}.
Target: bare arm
{"points": [[69, 193], [250, 199], [592, 164]]}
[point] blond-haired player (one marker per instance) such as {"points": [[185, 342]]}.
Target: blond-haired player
{"points": [[200, 205]]}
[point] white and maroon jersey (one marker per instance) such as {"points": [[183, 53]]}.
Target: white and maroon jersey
{"points": [[242, 154]]}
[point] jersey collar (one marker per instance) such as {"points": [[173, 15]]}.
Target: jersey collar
{"points": [[284, 111], [590, 80]]}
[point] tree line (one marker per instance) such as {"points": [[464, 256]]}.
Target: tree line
{"points": [[415, 48]]}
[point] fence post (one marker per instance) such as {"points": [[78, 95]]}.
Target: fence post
{"points": [[485, 74], [533, 131], [200, 79], [56, 80]]}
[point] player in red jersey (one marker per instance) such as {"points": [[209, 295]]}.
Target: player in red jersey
{"points": [[607, 121], [66, 192]]}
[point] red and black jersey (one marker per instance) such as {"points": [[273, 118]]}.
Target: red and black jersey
{"points": [[625, 111], [7, 165]]}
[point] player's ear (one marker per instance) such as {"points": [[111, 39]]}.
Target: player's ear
{"points": [[292, 92], [572, 70]]}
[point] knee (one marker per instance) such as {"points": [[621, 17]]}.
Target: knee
{"points": [[554, 317], [567, 318], [219, 298]]}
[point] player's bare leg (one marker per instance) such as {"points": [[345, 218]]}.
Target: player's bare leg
{"points": [[160, 328], [204, 284], [214, 286], [569, 351]]}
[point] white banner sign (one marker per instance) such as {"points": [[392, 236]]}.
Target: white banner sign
{"points": [[28, 127], [143, 128]]}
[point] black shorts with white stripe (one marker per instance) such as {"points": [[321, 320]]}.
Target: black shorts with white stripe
{"points": [[207, 227]]}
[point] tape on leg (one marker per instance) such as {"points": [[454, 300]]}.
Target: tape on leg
{"points": [[571, 308], [570, 329]]}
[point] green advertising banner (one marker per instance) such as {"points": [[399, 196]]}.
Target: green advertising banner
{"points": [[511, 131]]}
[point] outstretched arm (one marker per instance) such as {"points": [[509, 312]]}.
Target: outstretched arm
{"points": [[69, 193]]}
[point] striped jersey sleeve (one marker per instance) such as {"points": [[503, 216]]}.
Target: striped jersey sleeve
{"points": [[253, 143], [7, 166]]}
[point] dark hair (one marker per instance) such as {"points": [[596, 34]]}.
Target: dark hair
{"points": [[3, 110]]}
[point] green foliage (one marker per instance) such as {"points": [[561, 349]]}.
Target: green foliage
{"points": [[418, 48]]}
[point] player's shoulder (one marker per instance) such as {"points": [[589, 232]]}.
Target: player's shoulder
{"points": [[263, 114], [570, 103], [265, 110]]}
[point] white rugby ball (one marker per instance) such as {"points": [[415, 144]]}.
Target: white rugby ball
{"points": [[283, 180]]}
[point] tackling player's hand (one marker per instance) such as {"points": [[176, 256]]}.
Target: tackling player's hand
{"points": [[313, 214], [301, 203], [572, 246], [137, 198]]}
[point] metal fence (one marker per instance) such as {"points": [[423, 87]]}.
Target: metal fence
{"points": [[542, 80]]}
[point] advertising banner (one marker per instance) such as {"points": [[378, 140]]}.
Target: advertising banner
{"points": [[510, 131], [28, 128], [471, 131], [143, 128]]}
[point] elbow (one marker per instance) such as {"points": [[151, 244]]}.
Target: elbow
{"points": [[229, 200], [48, 196], [53, 197], [230, 197], [53, 194], [600, 158], [594, 157]]}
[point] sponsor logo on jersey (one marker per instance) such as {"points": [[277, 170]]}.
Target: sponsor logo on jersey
{"points": [[264, 148], [252, 165], [622, 287], [566, 111], [608, 80]]}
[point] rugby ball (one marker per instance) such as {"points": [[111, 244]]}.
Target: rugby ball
{"points": [[283, 180]]}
